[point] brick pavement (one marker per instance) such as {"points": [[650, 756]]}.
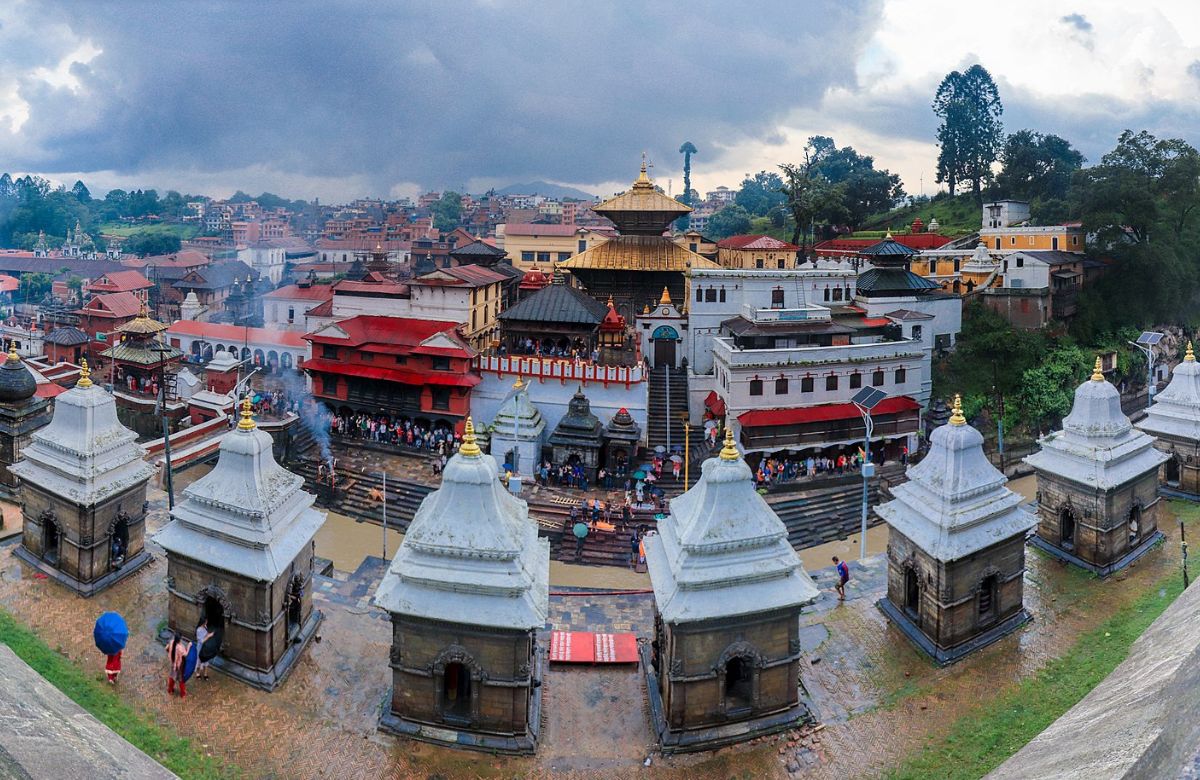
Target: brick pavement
{"points": [[869, 686]]}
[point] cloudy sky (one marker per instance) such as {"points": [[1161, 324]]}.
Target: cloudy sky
{"points": [[337, 100]]}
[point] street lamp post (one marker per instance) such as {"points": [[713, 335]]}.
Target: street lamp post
{"points": [[687, 449], [865, 400], [1146, 343]]}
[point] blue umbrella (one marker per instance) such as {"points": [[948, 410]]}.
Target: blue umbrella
{"points": [[110, 633], [190, 661]]}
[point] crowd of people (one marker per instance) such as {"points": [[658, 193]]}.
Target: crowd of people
{"points": [[399, 432], [553, 349], [786, 468]]}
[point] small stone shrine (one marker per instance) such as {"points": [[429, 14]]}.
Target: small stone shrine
{"points": [[21, 413], [621, 437], [240, 552], [467, 592], [83, 493], [956, 548], [1097, 483], [578, 437], [728, 590], [1174, 421], [517, 432]]}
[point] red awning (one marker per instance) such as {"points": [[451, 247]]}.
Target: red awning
{"points": [[406, 377], [760, 418], [715, 403], [875, 322]]}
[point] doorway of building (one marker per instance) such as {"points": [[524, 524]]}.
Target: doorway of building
{"points": [[51, 538], [1066, 528], [118, 542], [987, 598], [295, 611], [1171, 471], [664, 340], [214, 614], [456, 692], [912, 593], [737, 684], [1135, 524]]}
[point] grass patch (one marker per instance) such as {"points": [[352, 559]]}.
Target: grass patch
{"points": [[170, 228], [982, 740], [178, 754]]}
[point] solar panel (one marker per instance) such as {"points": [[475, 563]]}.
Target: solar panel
{"points": [[1149, 338], [868, 398]]}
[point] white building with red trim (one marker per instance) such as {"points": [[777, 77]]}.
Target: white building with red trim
{"points": [[264, 347]]}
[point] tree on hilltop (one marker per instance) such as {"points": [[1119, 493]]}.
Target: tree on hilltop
{"points": [[970, 135]]}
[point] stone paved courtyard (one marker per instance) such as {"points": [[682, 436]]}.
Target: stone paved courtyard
{"points": [[876, 696]]}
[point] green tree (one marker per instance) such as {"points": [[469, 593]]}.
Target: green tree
{"points": [[1037, 166], [810, 196], [1047, 390], [733, 220], [1143, 184], [33, 288], [687, 150], [970, 134], [867, 190], [447, 211], [151, 242], [760, 193], [81, 193]]}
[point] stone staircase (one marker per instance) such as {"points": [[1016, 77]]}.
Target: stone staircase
{"points": [[353, 496], [660, 412], [831, 510]]}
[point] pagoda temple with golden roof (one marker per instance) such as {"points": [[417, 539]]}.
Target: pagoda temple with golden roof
{"points": [[633, 267]]}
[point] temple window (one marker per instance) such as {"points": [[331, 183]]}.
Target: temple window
{"points": [[699, 295], [900, 376], [527, 257], [855, 381], [710, 295], [831, 382], [722, 295], [439, 363], [806, 384], [756, 387], [440, 398], [877, 378], [329, 352], [777, 298], [781, 386]]}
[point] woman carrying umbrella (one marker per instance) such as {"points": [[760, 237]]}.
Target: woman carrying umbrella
{"points": [[177, 653], [110, 635]]}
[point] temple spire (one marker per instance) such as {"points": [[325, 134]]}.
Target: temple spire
{"points": [[469, 446], [84, 375], [956, 417], [1190, 357], [730, 450], [247, 421], [665, 300], [1098, 371]]}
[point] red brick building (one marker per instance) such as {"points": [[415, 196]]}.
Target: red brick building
{"points": [[121, 281], [394, 366]]}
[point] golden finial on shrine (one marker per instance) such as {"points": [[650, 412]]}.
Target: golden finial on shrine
{"points": [[1190, 357], [956, 415], [665, 300], [469, 446], [1098, 371], [12, 351], [84, 375], [730, 450], [247, 421], [517, 385]]}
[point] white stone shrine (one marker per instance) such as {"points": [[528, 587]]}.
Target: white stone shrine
{"points": [[518, 429], [1174, 421]]}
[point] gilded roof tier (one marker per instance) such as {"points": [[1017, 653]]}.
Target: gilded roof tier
{"points": [[142, 353], [642, 197], [638, 253], [142, 324]]}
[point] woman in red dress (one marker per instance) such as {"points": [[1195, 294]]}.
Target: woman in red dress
{"points": [[112, 667]]}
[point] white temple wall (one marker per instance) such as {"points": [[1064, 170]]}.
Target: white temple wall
{"points": [[552, 396]]}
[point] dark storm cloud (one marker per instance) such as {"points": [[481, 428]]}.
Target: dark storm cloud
{"points": [[435, 93], [1080, 29]]}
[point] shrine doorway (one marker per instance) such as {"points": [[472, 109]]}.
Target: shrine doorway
{"points": [[912, 592], [988, 593], [738, 684], [456, 692], [1066, 528], [664, 340], [295, 611], [1171, 471], [213, 613], [51, 539]]}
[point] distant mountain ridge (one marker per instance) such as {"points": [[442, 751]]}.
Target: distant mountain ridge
{"points": [[546, 189]]}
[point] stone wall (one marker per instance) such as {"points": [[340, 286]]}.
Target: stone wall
{"points": [[694, 661], [1187, 455], [1101, 519], [85, 544], [256, 625], [500, 663], [949, 592]]}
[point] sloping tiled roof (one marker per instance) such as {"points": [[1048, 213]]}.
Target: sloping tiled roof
{"points": [[469, 275], [399, 335], [477, 249], [756, 242], [121, 281], [142, 352], [315, 292], [185, 258], [880, 281], [557, 303], [66, 336], [638, 253], [218, 276], [116, 305], [888, 247], [1052, 256]]}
